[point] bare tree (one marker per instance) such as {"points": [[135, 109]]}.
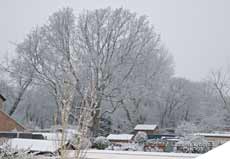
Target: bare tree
{"points": [[220, 81]]}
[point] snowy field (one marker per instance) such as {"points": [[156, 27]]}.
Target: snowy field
{"points": [[101, 154]]}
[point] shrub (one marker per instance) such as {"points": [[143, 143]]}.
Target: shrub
{"points": [[141, 137], [192, 144], [101, 143]]}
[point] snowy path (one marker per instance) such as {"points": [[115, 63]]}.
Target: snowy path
{"points": [[100, 154]]}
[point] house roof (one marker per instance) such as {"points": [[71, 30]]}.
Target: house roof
{"points": [[3, 98], [33, 145], [213, 134], [120, 137], [145, 127], [57, 136], [218, 152]]}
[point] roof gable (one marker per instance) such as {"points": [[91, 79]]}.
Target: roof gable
{"points": [[2, 97]]}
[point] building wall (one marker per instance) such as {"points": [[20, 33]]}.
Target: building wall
{"points": [[9, 124]]}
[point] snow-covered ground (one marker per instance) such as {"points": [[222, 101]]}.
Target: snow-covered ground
{"points": [[102, 154]]}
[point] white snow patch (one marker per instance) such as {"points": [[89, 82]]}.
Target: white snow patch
{"points": [[145, 127]]}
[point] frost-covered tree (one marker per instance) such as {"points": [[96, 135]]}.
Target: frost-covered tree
{"points": [[186, 128], [117, 55], [141, 137], [101, 143]]}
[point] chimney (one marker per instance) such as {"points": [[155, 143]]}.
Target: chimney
{"points": [[2, 100]]}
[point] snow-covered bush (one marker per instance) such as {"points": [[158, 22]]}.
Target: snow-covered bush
{"points": [[11, 154], [192, 144], [141, 137], [101, 143]]}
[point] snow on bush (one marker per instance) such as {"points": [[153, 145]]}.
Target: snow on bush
{"points": [[101, 143], [141, 137], [192, 144]]}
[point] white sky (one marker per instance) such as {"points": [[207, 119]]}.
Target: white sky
{"points": [[196, 32]]}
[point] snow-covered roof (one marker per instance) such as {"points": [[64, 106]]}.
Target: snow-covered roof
{"points": [[217, 153], [213, 134], [121, 137], [145, 127], [32, 145]]}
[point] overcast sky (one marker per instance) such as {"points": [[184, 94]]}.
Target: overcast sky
{"points": [[196, 32]]}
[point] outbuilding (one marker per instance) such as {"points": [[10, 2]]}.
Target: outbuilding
{"points": [[120, 138]]}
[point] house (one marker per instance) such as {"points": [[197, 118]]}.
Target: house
{"points": [[218, 152], [215, 138], [7, 123], [120, 138], [150, 130]]}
